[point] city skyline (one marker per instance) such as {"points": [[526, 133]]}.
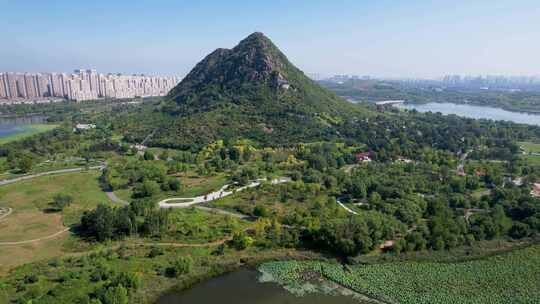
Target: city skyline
{"points": [[82, 84], [417, 38]]}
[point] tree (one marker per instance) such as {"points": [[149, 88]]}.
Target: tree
{"points": [[147, 188], [115, 295], [156, 223], [127, 279], [148, 155], [241, 241], [234, 154], [99, 223], [25, 163], [260, 211], [60, 201], [175, 184], [347, 238], [519, 230]]}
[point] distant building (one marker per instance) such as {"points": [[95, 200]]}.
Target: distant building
{"points": [[81, 85], [81, 127], [382, 105], [404, 160], [363, 156], [535, 192]]}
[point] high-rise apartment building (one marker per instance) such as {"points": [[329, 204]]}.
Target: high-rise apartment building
{"points": [[3, 90], [82, 85]]}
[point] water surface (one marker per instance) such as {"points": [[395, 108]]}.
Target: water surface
{"points": [[14, 125], [476, 112], [242, 287]]}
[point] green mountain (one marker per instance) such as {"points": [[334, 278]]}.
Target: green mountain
{"points": [[251, 91]]}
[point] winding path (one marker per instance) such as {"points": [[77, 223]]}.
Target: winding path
{"points": [[225, 212], [31, 176], [192, 201], [52, 236], [3, 216], [25, 177], [162, 204]]}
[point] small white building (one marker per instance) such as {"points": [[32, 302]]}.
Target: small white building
{"points": [[81, 127], [536, 190]]}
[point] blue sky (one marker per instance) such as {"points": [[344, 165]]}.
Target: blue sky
{"points": [[413, 38]]}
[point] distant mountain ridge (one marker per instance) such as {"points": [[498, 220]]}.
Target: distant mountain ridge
{"points": [[251, 91]]}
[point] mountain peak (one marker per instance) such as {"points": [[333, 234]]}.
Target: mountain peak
{"points": [[250, 91], [254, 60], [256, 39]]}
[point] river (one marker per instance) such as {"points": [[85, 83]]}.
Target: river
{"points": [[243, 287], [476, 112], [14, 125]]}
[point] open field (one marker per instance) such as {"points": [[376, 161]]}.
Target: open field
{"points": [[530, 147], [192, 225], [507, 278], [29, 131], [532, 152], [31, 219]]}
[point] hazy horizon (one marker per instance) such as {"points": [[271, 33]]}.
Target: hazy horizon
{"points": [[388, 39]]}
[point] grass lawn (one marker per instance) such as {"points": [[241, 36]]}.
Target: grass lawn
{"points": [[30, 199], [29, 131], [530, 147], [477, 194]]}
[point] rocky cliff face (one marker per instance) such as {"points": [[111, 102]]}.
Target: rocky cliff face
{"points": [[254, 61]]}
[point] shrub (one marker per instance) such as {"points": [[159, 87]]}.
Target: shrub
{"points": [[31, 278], [241, 241], [61, 201], [182, 265], [155, 251]]}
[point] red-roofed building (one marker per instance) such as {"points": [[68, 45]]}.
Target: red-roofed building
{"points": [[363, 156]]}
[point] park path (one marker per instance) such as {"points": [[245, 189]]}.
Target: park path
{"points": [[3, 216], [225, 212], [346, 208], [192, 201], [52, 236], [61, 171], [115, 199]]}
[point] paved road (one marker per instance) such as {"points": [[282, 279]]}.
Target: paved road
{"points": [[346, 208], [25, 177], [192, 201], [461, 164]]}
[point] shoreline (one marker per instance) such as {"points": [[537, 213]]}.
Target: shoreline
{"points": [[505, 108]]}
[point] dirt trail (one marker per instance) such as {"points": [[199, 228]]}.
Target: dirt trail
{"points": [[115, 199], [35, 240], [3, 216]]}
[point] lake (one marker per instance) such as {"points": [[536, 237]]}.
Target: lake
{"points": [[243, 287], [476, 112], [14, 125]]}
